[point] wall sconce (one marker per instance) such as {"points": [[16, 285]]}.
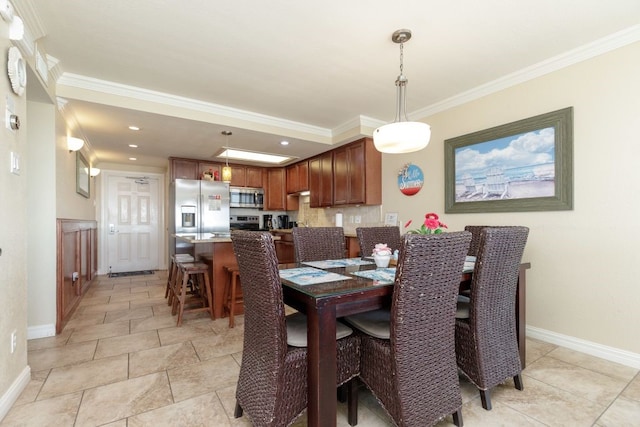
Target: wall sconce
{"points": [[74, 144], [93, 172]]}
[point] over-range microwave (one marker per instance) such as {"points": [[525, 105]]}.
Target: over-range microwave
{"points": [[245, 197]]}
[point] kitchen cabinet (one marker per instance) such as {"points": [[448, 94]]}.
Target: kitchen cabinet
{"points": [[356, 174], [298, 177], [352, 246], [321, 180], [246, 176], [183, 169], [275, 195], [208, 166], [284, 247]]}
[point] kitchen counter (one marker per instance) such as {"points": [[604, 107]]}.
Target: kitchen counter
{"points": [[207, 237]]}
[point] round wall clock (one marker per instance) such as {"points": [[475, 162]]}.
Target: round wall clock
{"points": [[410, 179], [17, 71]]}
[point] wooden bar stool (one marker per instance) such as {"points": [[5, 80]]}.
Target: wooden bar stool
{"points": [[232, 292], [201, 298], [173, 273]]}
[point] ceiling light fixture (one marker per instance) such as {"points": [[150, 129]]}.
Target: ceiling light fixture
{"points": [[74, 144], [226, 170], [284, 142], [134, 128], [253, 156], [133, 146], [401, 136]]}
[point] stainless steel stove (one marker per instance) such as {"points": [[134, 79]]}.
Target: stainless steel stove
{"points": [[244, 222]]}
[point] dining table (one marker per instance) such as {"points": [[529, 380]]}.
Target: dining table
{"points": [[328, 289]]}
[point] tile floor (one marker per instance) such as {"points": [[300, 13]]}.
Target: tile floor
{"points": [[122, 362]]}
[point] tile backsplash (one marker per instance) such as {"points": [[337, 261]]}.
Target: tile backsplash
{"points": [[368, 216]]}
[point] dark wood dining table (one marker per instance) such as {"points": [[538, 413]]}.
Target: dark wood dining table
{"points": [[323, 303]]}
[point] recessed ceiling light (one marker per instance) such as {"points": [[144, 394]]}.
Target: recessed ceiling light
{"points": [[252, 156], [133, 146], [132, 158], [284, 142], [134, 128]]}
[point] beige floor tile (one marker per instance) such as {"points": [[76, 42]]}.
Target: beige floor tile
{"points": [[161, 310], [633, 389], [548, 404], [69, 379], [94, 300], [219, 345], [593, 363], [95, 332], [622, 412], [49, 342], [61, 356], [57, 412], [138, 296], [123, 399], [186, 332], [577, 380], [100, 308], [158, 300], [80, 320], [473, 414], [127, 344], [162, 358], [30, 392], [119, 423], [122, 315], [205, 410], [536, 349], [204, 377], [110, 292], [222, 325], [152, 323]]}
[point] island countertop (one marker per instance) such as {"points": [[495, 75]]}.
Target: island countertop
{"points": [[196, 238]]}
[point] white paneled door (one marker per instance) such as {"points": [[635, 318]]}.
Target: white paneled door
{"points": [[132, 224]]}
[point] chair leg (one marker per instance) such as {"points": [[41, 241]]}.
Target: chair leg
{"points": [[238, 412], [518, 381], [457, 418], [342, 393], [485, 396], [352, 401]]}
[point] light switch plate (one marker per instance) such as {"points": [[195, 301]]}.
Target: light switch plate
{"points": [[15, 163]]}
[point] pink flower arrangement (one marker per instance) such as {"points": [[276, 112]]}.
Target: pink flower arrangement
{"points": [[432, 225], [381, 249]]}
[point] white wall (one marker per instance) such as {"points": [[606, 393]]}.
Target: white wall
{"points": [[14, 371], [582, 282]]}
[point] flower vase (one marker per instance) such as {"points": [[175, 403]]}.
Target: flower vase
{"points": [[382, 261]]}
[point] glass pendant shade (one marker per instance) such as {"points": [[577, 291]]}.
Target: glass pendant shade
{"points": [[402, 137], [226, 173]]}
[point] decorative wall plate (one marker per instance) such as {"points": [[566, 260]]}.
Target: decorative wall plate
{"points": [[17, 71], [410, 179]]}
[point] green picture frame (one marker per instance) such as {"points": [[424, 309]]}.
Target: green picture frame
{"points": [[521, 166], [83, 184]]}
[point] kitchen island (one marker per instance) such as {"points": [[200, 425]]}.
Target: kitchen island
{"points": [[216, 250]]}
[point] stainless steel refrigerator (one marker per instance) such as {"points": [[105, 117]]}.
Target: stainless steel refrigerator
{"points": [[198, 207]]}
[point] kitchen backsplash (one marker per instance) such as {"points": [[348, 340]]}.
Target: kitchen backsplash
{"points": [[368, 216]]}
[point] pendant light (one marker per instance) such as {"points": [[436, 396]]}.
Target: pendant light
{"points": [[226, 170], [401, 136]]}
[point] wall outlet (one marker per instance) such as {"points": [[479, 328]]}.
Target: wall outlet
{"points": [[75, 276], [14, 341], [358, 219]]}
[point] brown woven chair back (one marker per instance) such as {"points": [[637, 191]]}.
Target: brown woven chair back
{"points": [[265, 336], [416, 378], [486, 343], [475, 238], [318, 243], [369, 237]]}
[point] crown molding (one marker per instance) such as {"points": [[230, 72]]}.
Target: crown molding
{"points": [[583, 53]]}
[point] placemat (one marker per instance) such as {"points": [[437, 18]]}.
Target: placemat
{"points": [[336, 263], [310, 276], [383, 276]]}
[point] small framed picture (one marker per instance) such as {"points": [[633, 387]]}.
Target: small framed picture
{"points": [[391, 218]]}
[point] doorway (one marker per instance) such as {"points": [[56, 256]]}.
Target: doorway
{"points": [[131, 222]]}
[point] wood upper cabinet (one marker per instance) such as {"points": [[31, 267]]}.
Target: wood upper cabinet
{"points": [[275, 197], [321, 180], [253, 177], [356, 174], [298, 177], [183, 169], [238, 176]]}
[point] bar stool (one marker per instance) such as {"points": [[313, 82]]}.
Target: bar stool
{"points": [[198, 275], [173, 273], [232, 295]]}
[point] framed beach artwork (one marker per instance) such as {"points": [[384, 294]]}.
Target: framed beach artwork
{"points": [[517, 167]]}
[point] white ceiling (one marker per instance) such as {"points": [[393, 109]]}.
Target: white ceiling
{"points": [[314, 73]]}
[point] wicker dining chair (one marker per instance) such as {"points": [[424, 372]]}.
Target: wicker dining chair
{"points": [[409, 361], [272, 385], [318, 243], [486, 341], [475, 237], [368, 237]]}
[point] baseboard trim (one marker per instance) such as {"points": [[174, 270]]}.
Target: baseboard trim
{"points": [[9, 398], [612, 354], [41, 331]]}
